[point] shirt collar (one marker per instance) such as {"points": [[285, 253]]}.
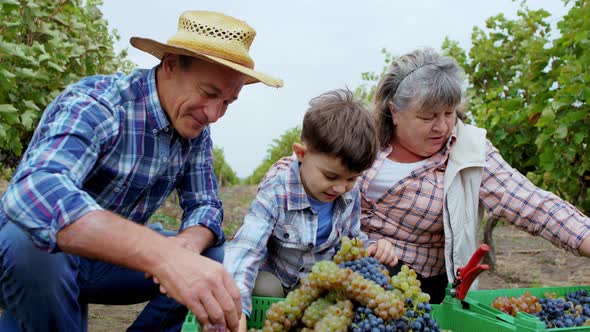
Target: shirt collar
{"points": [[156, 115], [296, 190], [436, 160]]}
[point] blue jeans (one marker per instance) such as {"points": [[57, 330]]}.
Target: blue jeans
{"points": [[50, 292]]}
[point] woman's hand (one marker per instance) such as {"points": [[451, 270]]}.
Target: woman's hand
{"points": [[585, 247], [384, 251]]}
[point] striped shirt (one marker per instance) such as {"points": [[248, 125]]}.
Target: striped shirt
{"points": [[410, 213], [279, 232], [106, 143]]}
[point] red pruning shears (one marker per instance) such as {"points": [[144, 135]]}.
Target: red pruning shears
{"points": [[467, 274]]}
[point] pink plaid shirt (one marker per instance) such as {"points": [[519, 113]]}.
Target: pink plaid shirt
{"points": [[410, 213]]}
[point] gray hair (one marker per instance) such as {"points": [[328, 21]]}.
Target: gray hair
{"points": [[422, 79]]}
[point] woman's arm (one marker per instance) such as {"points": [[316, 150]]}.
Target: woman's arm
{"points": [[509, 195], [584, 248]]}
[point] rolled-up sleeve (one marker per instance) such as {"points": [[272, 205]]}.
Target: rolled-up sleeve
{"points": [[246, 252], [198, 190], [509, 195], [45, 193]]}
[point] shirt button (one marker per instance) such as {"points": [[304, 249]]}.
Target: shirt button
{"points": [[116, 189], [165, 159], [166, 129], [302, 269], [310, 246], [155, 131], [286, 235]]}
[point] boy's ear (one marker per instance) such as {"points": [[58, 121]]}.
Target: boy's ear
{"points": [[299, 150]]}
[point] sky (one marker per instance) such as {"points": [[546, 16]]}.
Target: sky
{"points": [[313, 45]]}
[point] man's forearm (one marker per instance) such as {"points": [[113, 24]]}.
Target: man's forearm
{"points": [[198, 238], [109, 237]]}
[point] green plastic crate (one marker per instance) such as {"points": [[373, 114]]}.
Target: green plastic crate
{"points": [[481, 301], [460, 316], [191, 324], [259, 306], [453, 315]]}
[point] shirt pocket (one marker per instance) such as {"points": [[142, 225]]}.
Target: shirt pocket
{"points": [[427, 196], [105, 186], [288, 236]]}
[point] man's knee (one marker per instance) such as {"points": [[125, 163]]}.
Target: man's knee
{"points": [[267, 284], [24, 264], [215, 253]]}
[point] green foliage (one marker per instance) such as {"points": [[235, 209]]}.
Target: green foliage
{"points": [[225, 174], [366, 91], [168, 222], [280, 147], [531, 93], [44, 46]]}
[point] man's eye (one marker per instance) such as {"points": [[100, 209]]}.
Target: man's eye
{"points": [[208, 94], [330, 177]]}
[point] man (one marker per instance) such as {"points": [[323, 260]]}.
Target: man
{"points": [[106, 154]]}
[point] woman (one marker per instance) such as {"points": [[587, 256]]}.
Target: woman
{"points": [[435, 176]]}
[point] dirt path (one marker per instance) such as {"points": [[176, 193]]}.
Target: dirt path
{"points": [[522, 261], [527, 261]]}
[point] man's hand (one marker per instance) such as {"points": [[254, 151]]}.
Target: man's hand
{"points": [[182, 242], [195, 239], [384, 251], [243, 323], [199, 283], [202, 285]]}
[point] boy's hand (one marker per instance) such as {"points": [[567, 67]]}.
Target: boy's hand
{"points": [[384, 251]]}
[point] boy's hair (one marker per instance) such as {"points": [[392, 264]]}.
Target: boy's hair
{"points": [[340, 125]]}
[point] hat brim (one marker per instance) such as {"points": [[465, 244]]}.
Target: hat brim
{"points": [[158, 50]]}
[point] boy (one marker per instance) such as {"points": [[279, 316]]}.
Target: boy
{"points": [[306, 203]]}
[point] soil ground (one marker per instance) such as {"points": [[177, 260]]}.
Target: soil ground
{"points": [[522, 260]]}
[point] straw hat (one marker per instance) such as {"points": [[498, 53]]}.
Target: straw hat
{"points": [[212, 36]]}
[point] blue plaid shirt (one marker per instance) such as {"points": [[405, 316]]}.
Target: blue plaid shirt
{"points": [[279, 231], [106, 143]]}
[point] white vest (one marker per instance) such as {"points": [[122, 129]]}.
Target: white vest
{"points": [[461, 210]]}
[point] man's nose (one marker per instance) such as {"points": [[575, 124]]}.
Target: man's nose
{"points": [[215, 110]]}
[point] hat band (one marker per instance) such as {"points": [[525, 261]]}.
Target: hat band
{"points": [[205, 45]]}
